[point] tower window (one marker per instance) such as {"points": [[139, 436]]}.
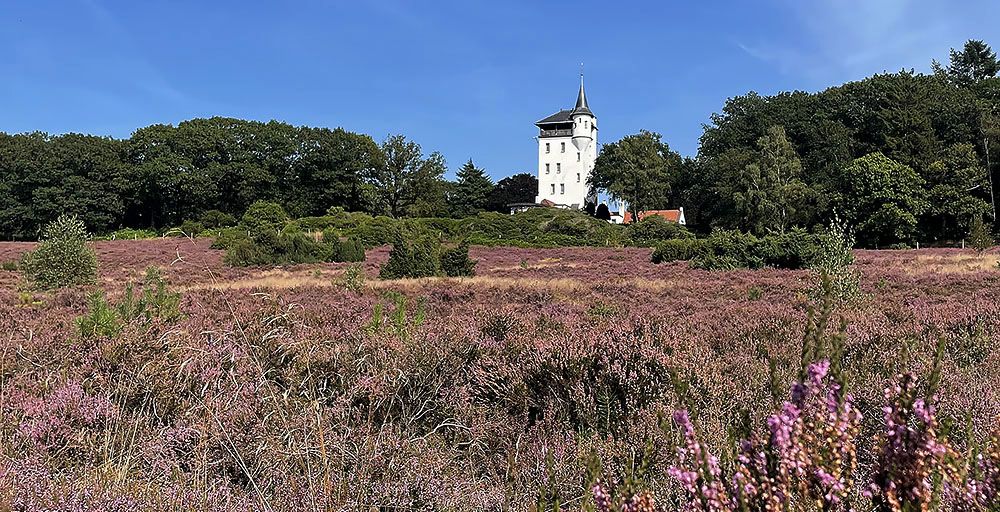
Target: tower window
{"points": [[578, 177], [558, 168], [586, 124], [562, 147], [577, 156], [553, 188], [547, 147], [546, 168], [562, 188]]}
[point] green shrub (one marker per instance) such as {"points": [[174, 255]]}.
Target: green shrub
{"points": [[979, 236], [350, 250], [277, 249], [9, 266], [226, 237], [446, 227], [190, 228], [62, 257], [298, 247], [729, 249], [455, 262], [245, 252], [215, 219], [264, 217], [375, 232], [413, 257], [101, 319], [152, 301], [679, 249], [353, 278], [834, 258], [538, 227], [652, 230]]}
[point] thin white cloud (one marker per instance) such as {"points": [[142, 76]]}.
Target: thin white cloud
{"points": [[835, 40]]}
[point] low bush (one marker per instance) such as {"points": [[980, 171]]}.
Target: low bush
{"points": [[62, 257], [226, 237], [342, 251], [350, 251], [650, 231], [264, 217], [9, 266], [151, 301], [728, 249], [215, 219], [101, 319], [352, 279], [189, 228], [245, 253], [417, 256], [375, 232], [455, 262], [680, 249], [267, 237]]}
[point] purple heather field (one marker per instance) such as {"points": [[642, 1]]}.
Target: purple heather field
{"points": [[587, 377]]}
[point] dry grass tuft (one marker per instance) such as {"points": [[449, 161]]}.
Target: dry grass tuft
{"points": [[953, 263]]}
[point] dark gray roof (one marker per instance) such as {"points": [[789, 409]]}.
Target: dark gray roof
{"points": [[581, 101], [559, 117]]}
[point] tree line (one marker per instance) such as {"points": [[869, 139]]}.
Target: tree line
{"points": [[164, 175], [902, 158]]}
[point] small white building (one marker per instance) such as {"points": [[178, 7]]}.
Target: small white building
{"points": [[567, 150]]}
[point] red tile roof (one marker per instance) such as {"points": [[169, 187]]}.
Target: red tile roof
{"points": [[671, 215]]}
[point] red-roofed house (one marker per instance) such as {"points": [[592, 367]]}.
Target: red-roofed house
{"points": [[671, 215]]}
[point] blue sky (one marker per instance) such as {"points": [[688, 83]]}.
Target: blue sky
{"points": [[465, 78]]}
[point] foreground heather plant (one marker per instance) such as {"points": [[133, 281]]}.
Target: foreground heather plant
{"points": [[809, 459], [809, 456], [913, 462]]}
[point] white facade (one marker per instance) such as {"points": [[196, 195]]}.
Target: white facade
{"points": [[567, 150]]}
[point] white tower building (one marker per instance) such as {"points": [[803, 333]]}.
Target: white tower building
{"points": [[567, 149]]}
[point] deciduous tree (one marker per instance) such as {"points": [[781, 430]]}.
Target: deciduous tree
{"points": [[638, 170]]}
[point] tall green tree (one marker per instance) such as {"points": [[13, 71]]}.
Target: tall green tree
{"points": [[767, 191], [637, 170], [976, 61], [327, 170], [883, 199], [426, 194], [958, 193], [471, 191], [393, 177], [518, 188]]}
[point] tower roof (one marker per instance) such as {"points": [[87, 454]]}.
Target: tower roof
{"points": [[563, 116], [581, 101]]}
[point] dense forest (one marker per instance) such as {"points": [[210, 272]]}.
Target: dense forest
{"points": [[163, 175], [901, 157]]}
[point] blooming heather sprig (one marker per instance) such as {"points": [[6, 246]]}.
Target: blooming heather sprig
{"points": [[640, 502], [913, 461], [809, 456], [981, 488], [698, 470], [811, 452]]}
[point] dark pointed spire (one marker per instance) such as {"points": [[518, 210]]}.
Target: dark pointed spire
{"points": [[581, 99]]}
